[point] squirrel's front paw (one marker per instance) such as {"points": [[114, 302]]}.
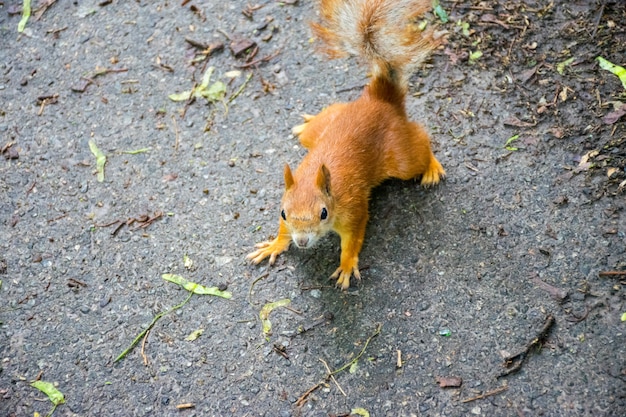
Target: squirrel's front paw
{"points": [[269, 248], [342, 275]]}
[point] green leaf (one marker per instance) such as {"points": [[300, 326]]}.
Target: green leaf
{"points": [[614, 69], [464, 27], [194, 335], [196, 288], [360, 412], [509, 141], [187, 261], [560, 67], [206, 77], [440, 12], [623, 316], [101, 159], [181, 96], [215, 92], [142, 150], [265, 313], [353, 368], [49, 389], [475, 56], [25, 16]]}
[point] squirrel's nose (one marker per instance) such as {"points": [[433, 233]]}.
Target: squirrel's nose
{"points": [[302, 241]]}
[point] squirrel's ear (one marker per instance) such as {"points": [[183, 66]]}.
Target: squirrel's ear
{"points": [[323, 179], [288, 177]]}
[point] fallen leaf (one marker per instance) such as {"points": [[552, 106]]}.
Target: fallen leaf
{"points": [[196, 288], [187, 262], [142, 150], [50, 390], [440, 12], [449, 381], [101, 159], [584, 160], [557, 293], [474, 56], [265, 312], [25, 16], [527, 75], [614, 69], [514, 121], [509, 141], [615, 115], [184, 96], [194, 335], [611, 171], [560, 67], [490, 18], [239, 46], [359, 411]]}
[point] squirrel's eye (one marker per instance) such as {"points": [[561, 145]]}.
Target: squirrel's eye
{"points": [[282, 214], [324, 213]]}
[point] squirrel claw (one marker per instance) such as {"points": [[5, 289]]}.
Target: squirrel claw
{"points": [[343, 276], [264, 250]]}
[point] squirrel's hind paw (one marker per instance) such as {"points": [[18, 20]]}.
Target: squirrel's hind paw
{"points": [[434, 174], [297, 130]]}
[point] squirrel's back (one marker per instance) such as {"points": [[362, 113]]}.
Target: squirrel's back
{"points": [[384, 33]]}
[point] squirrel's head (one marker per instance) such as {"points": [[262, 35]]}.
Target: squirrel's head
{"points": [[307, 207]]}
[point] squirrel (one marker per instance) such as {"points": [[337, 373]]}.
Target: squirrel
{"points": [[353, 147]]}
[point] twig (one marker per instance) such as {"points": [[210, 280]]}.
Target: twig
{"points": [[487, 394], [332, 377], [330, 373], [357, 357], [597, 23], [255, 62], [152, 323], [143, 346], [57, 218], [304, 396], [514, 363], [176, 132], [236, 94], [611, 273], [259, 278]]}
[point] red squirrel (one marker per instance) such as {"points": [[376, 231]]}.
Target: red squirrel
{"points": [[353, 147]]}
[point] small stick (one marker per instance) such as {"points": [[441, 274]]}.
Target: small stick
{"points": [[332, 377], [259, 278], [611, 273], [304, 396], [176, 132], [357, 357], [152, 323], [330, 373], [487, 394], [255, 62], [399, 359], [514, 363], [143, 346], [236, 94]]}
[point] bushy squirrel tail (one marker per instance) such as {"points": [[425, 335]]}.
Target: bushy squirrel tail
{"points": [[384, 33]]}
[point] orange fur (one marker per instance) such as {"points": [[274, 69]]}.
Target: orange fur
{"points": [[355, 146]]}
